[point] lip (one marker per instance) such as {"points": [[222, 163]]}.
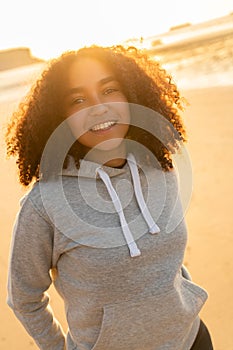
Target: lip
{"points": [[113, 121]]}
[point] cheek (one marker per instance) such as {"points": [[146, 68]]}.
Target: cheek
{"points": [[76, 124], [124, 129], [86, 140], [124, 112]]}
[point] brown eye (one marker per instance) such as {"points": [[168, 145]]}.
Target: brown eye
{"points": [[78, 100], [110, 91]]}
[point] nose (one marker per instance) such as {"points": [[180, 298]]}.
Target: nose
{"points": [[98, 109]]}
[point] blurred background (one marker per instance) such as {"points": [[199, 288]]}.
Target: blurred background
{"points": [[193, 40]]}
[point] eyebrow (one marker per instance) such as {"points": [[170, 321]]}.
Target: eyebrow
{"points": [[80, 88]]}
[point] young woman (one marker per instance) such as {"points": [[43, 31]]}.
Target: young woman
{"points": [[103, 220]]}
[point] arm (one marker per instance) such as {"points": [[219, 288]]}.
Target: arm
{"points": [[29, 278]]}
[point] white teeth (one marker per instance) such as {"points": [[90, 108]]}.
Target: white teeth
{"points": [[102, 126]]}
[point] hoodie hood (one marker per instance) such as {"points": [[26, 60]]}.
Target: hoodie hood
{"points": [[88, 169]]}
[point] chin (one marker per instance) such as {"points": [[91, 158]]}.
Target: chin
{"points": [[109, 145]]}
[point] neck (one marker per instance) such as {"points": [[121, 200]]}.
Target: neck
{"points": [[114, 158]]}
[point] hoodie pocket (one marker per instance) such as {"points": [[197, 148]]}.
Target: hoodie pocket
{"points": [[150, 323]]}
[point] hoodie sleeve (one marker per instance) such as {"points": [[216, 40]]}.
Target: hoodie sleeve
{"points": [[29, 278]]}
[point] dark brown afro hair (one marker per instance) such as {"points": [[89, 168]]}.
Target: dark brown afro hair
{"points": [[143, 81]]}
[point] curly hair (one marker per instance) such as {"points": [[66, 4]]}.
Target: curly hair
{"points": [[143, 81]]}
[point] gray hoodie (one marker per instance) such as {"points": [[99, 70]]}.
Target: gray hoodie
{"points": [[116, 239]]}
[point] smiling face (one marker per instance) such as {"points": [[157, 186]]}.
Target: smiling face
{"points": [[98, 108]]}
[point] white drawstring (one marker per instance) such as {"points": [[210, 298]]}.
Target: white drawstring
{"points": [[153, 228], [134, 251]]}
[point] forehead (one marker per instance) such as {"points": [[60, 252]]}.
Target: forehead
{"points": [[87, 70]]}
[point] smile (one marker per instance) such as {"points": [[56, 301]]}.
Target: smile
{"points": [[103, 126]]}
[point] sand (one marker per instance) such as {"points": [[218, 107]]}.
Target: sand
{"points": [[209, 218]]}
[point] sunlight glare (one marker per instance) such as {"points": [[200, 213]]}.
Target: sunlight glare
{"points": [[50, 27]]}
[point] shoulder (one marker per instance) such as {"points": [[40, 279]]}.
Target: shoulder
{"points": [[172, 176], [159, 175], [32, 203]]}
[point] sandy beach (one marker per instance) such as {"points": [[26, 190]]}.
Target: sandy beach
{"points": [[209, 217]]}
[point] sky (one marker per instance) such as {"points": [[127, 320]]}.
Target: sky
{"points": [[49, 27]]}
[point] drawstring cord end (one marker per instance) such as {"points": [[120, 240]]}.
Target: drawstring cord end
{"points": [[154, 229], [134, 251]]}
